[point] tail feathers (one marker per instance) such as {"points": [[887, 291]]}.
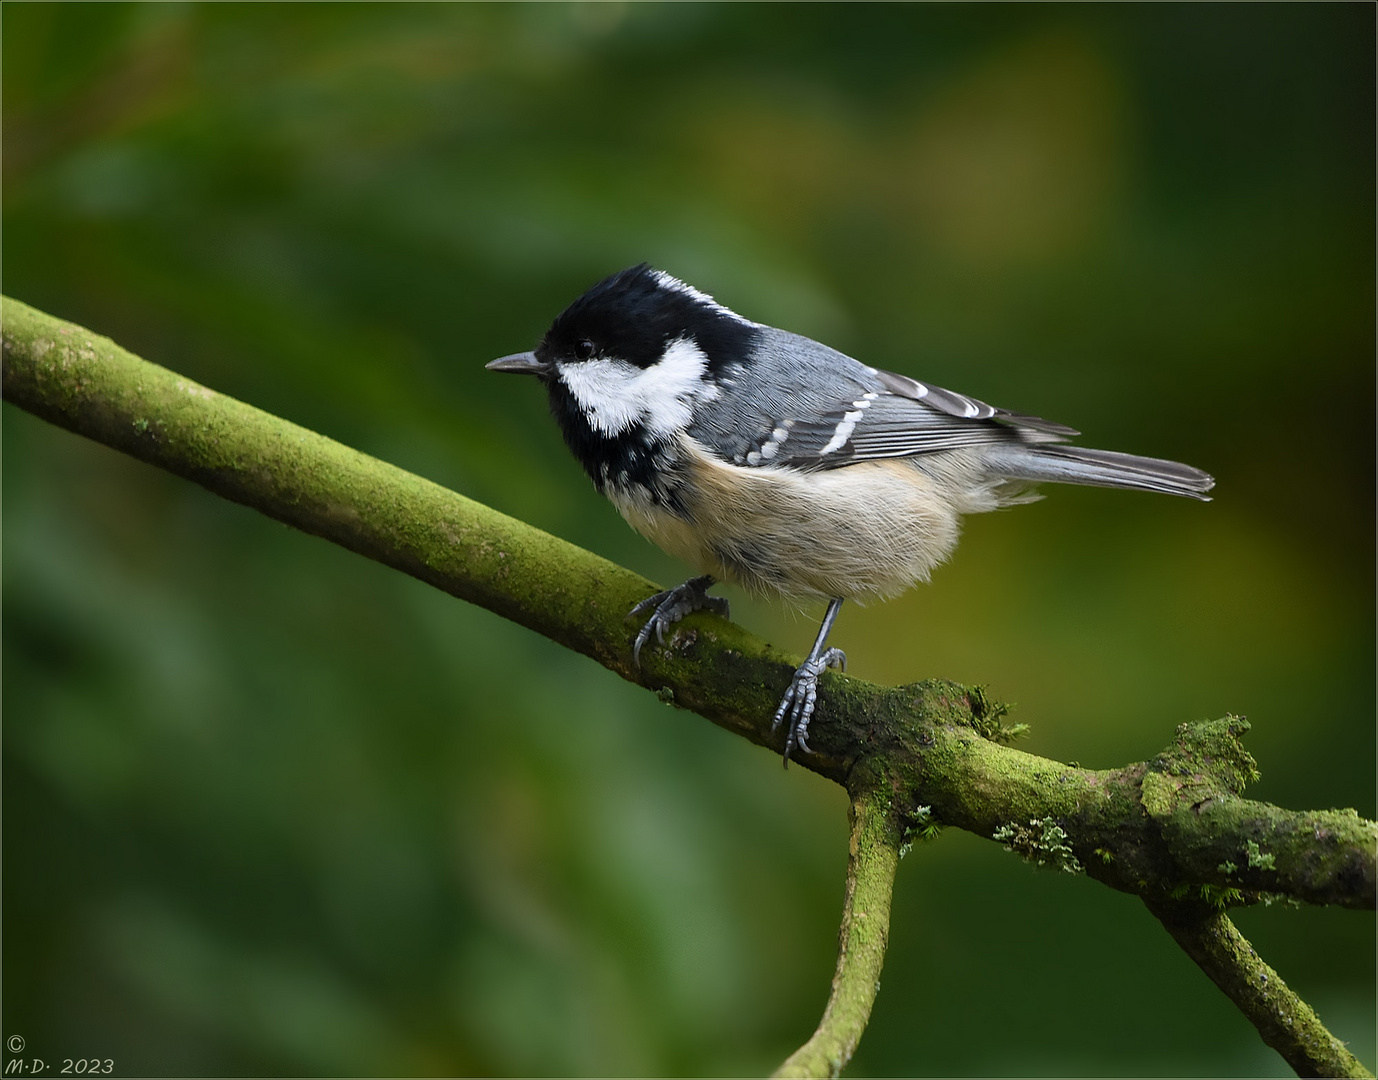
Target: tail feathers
{"points": [[1100, 468]]}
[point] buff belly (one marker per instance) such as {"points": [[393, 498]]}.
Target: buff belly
{"points": [[871, 529]]}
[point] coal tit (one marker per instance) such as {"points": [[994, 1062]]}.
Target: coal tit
{"points": [[767, 459]]}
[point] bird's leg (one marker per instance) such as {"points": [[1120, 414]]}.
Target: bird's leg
{"points": [[671, 606], [799, 699]]}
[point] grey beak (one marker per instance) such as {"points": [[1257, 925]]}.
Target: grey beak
{"points": [[522, 363]]}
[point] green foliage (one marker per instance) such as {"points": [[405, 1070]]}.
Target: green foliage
{"points": [[1011, 733], [1258, 860], [1219, 897], [986, 715], [1042, 842], [923, 826]]}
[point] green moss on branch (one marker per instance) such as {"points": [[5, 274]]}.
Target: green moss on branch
{"points": [[1147, 828], [1286, 1023], [873, 855]]}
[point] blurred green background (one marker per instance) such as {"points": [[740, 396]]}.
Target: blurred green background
{"points": [[271, 808]]}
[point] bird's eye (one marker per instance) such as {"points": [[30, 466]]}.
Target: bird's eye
{"points": [[584, 350]]}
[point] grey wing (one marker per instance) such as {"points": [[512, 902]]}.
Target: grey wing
{"points": [[903, 417], [804, 405]]}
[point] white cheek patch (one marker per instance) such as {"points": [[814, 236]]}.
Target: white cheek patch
{"points": [[602, 389], [616, 395]]}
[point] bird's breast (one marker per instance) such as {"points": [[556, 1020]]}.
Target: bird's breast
{"points": [[870, 529]]}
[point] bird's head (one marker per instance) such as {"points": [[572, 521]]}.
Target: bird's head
{"points": [[636, 351]]}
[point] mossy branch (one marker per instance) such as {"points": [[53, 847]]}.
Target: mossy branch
{"points": [[1287, 1024], [1159, 829], [872, 857]]}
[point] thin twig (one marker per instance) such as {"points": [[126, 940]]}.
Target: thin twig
{"points": [[1286, 1023], [873, 855]]}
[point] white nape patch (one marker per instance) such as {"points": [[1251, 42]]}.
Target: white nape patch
{"points": [[616, 395], [669, 281]]}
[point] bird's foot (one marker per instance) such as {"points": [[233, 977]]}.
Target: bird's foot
{"points": [[799, 699], [672, 605]]}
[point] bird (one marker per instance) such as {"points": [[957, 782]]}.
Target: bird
{"points": [[769, 460]]}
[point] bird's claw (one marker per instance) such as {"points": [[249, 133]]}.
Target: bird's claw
{"points": [[799, 700], [670, 606]]}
